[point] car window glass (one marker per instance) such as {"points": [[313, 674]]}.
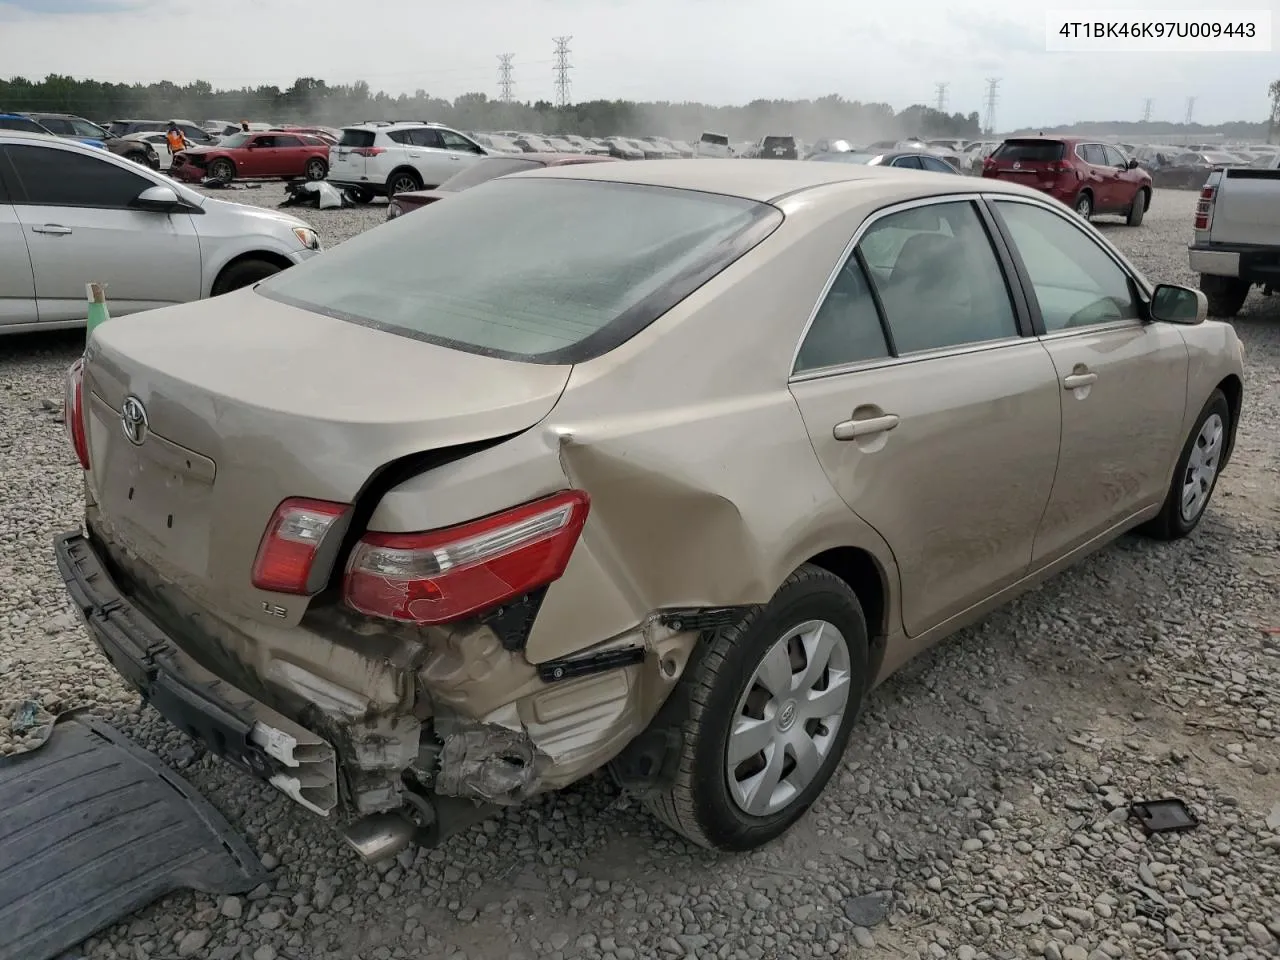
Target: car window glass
{"points": [[192, 133], [938, 278], [84, 128], [1093, 153], [452, 141], [284, 141], [1114, 157], [1075, 282], [846, 328], [52, 177], [58, 125], [934, 164], [426, 137], [911, 163], [263, 141]]}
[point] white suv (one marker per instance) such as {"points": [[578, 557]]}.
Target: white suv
{"points": [[386, 158]]}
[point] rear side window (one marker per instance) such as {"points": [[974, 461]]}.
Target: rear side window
{"points": [[1030, 151], [536, 269], [58, 125], [846, 329], [356, 138], [60, 178]]}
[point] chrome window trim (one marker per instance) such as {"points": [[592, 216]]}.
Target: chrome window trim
{"points": [[974, 197], [881, 363]]}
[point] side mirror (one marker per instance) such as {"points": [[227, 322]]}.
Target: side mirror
{"points": [[1132, 165], [1174, 304], [161, 199]]}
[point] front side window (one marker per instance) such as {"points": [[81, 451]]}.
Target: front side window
{"points": [[938, 278], [453, 141], [426, 137], [1093, 154], [936, 165], [1114, 157], [83, 128], [61, 178], [909, 163], [59, 126], [1075, 282], [531, 269]]}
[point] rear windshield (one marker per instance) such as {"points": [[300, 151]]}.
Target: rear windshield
{"points": [[771, 142], [486, 170], [356, 138], [715, 138], [530, 268], [1030, 151]]}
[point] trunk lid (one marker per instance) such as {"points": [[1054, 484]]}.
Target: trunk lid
{"points": [[347, 156], [248, 402], [1036, 163]]}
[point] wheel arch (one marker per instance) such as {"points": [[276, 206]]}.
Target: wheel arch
{"points": [[1233, 389], [269, 256], [404, 168], [869, 581]]}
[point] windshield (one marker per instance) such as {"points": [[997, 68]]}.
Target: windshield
{"points": [[233, 141], [539, 269], [1030, 151], [485, 170]]}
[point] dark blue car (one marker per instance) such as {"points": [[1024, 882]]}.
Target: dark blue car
{"points": [[56, 124]]}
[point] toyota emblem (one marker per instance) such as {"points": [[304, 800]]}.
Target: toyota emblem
{"points": [[133, 420]]}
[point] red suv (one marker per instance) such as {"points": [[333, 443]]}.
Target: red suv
{"points": [[1088, 176]]}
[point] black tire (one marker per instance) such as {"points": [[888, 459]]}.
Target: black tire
{"points": [[1226, 295], [1171, 523], [1139, 207], [243, 273], [1084, 205], [222, 170], [317, 169], [403, 181], [360, 194], [699, 805]]}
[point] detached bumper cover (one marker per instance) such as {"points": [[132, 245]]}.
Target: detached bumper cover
{"points": [[228, 721]]}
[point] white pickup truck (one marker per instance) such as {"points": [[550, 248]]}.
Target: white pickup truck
{"points": [[1237, 236]]}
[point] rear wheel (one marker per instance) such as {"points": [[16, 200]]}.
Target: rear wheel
{"points": [[403, 181], [1226, 295], [242, 274], [1197, 472], [222, 170], [317, 169], [768, 710], [1139, 207], [1084, 205]]}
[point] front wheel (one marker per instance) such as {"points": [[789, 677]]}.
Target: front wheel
{"points": [[222, 170], [768, 710], [1138, 208], [1197, 472], [403, 181], [243, 274]]}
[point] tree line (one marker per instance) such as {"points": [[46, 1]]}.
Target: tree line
{"points": [[310, 100]]}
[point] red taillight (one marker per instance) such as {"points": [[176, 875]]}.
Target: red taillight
{"points": [[446, 575], [1204, 208], [288, 548], [73, 412], [370, 151]]}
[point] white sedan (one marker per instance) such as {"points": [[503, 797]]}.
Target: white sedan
{"points": [[71, 215]]}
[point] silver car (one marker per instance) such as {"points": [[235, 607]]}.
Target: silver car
{"points": [[71, 215]]}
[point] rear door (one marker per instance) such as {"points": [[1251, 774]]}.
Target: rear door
{"points": [[1099, 176], [935, 418], [1032, 161], [80, 228], [1122, 381], [17, 282]]}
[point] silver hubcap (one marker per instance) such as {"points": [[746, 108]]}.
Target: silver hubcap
{"points": [[788, 718], [1202, 467]]}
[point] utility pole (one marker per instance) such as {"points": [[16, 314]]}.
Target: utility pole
{"points": [[941, 89], [505, 82], [993, 97], [1191, 108], [562, 71], [1146, 110]]}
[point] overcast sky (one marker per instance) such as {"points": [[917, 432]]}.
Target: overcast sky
{"points": [[714, 51]]}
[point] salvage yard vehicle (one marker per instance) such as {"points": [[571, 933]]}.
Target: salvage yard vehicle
{"points": [[1236, 240], [482, 172], [1092, 178], [255, 156], [70, 214], [69, 125], [149, 149], [534, 495], [384, 158], [904, 159], [712, 146]]}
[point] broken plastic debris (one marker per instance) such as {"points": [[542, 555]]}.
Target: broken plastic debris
{"points": [[26, 717], [1169, 815]]}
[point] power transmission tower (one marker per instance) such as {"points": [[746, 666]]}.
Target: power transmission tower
{"points": [[505, 82], [941, 88], [1146, 110], [993, 97], [1191, 107], [562, 71]]}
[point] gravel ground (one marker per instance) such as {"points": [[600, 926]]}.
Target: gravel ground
{"points": [[978, 813]]}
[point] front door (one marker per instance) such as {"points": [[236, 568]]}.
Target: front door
{"points": [[936, 421], [79, 228], [1123, 381]]}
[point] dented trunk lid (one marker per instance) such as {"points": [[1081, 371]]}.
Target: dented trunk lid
{"points": [[249, 401]]}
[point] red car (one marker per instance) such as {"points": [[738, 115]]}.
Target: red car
{"points": [[480, 171], [1088, 176], [249, 156]]}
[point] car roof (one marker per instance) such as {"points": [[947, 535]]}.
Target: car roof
{"points": [[769, 180]]}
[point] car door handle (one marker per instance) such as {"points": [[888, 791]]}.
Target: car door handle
{"points": [[853, 429], [56, 229], [1077, 380]]}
